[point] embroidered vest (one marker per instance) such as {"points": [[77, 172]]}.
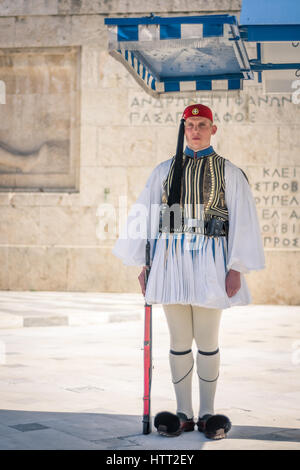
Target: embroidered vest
{"points": [[203, 208]]}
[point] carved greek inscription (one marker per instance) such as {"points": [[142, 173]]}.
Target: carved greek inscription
{"points": [[276, 194], [167, 110]]}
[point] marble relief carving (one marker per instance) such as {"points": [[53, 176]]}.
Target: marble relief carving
{"points": [[36, 160], [39, 124]]}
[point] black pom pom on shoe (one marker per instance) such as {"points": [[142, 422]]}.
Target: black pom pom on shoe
{"points": [[217, 426], [167, 424]]}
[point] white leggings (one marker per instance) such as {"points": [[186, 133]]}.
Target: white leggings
{"points": [[188, 322]]}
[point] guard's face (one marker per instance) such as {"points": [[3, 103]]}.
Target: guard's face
{"points": [[198, 132]]}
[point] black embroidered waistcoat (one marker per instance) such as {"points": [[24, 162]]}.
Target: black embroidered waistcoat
{"points": [[203, 208]]}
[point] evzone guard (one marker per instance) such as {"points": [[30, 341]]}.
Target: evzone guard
{"points": [[203, 239]]}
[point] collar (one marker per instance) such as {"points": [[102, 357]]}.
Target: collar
{"points": [[200, 153]]}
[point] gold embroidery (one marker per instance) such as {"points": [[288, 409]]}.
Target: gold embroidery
{"points": [[211, 186]]}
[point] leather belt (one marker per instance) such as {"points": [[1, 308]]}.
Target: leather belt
{"points": [[214, 227]]}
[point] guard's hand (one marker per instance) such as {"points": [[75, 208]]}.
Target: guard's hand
{"points": [[141, 279], [232, 282]]}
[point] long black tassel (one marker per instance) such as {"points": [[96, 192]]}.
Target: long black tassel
{"points": [[174, 195], [175, 189]]}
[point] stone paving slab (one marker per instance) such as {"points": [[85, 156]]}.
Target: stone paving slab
{"points": [[27, 309], [80, 386]]}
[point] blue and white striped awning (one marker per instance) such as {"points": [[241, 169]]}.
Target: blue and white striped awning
{"points": [[191, 53], [177, 54]]}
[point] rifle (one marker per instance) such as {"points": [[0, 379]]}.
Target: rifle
{"points": [[147, 352]]}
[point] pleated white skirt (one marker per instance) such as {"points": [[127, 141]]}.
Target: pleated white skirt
{"points": [[191, 269]]}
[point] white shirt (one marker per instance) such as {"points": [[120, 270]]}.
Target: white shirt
{"points": [[179, 274]]}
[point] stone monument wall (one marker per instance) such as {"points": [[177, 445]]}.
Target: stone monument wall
{"points": [[77, 132]]}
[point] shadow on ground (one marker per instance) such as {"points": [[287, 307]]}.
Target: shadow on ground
{"points": [[54, 430]]}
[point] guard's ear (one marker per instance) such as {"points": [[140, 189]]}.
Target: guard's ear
{"points": [[214, 129]]}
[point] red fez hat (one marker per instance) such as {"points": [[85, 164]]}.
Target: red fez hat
{"points": [[175, 190], [198, 110]]}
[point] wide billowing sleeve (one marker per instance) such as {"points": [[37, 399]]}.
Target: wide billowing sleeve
{"points": [[245, 248], [142, 223]]}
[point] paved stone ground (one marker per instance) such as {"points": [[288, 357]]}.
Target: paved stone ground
{"points": [[71, 374]]}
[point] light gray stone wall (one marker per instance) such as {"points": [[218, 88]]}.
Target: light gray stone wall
{"points": [[40, 121], [49, 240]]}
